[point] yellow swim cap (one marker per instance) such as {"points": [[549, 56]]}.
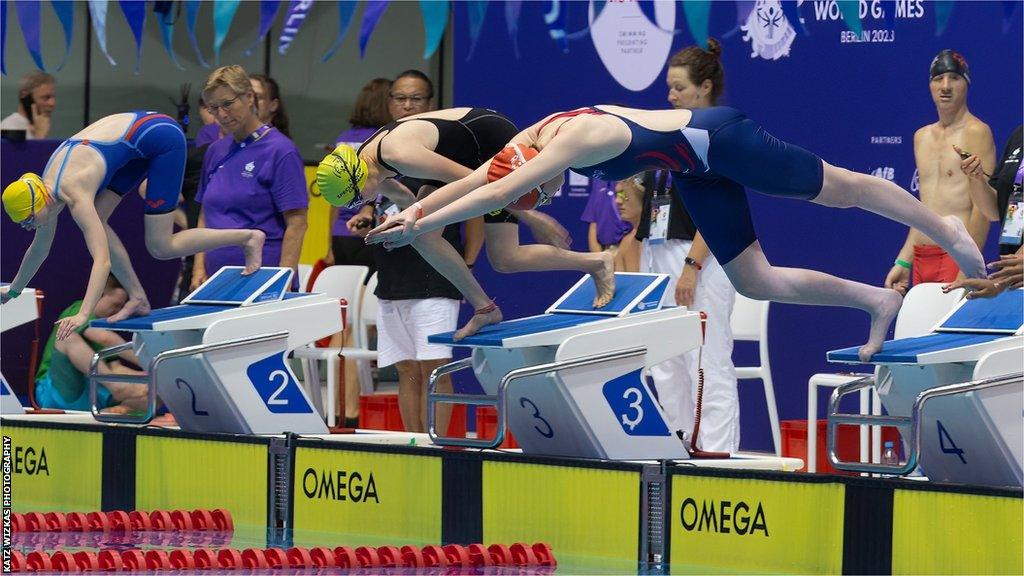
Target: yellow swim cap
{"points": [[25, 196], [341, 175]]}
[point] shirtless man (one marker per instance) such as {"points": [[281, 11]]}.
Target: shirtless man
{"points": [[943, 186]]}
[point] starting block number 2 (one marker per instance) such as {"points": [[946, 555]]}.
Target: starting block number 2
{"points": [[277, 387]]}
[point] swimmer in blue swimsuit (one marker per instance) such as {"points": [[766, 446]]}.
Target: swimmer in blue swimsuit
{"points": [[89, 174], [718, 151]]}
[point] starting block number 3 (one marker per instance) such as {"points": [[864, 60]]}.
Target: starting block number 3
{"points": [[277, 387], [633, 408]]}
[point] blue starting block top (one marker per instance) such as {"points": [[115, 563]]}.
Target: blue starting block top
{"points": [[1003, 314], [228, 287], [179, 312], [633, 293], [496, 334], [908, 350]]}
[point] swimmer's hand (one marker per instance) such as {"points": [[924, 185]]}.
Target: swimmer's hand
{"points": [[397, 231], [67, 326], [5, 297]]}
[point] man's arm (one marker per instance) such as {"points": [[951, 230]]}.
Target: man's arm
{"points": [[980, 149]]}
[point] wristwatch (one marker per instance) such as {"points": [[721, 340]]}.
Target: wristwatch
{"points": [[693, 263]]}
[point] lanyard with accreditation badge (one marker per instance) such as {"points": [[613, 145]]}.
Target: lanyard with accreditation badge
{"points": [[661, 206], [250, 139], [1013, 225]]}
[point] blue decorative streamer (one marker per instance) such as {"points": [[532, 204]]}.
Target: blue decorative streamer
{"points": [[512, 9], [28, 18], [697, 13], [435, 19], [792, 13], [477, 11], [1010, 8], [3, 37], [850, 10], [555, 19], [98, 12], [223, 14], [743, 10], [943, 8], [163, 10], [135, 14], [374, 10], [268, 11], [346, 9], [66, 14], [191, 14], [293, 20]]}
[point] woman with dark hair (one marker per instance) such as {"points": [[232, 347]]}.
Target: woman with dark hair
{"points": [[715, 152], [269, 105]]}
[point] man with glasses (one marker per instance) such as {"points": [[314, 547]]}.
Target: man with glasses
{"points": [[412, 92]]}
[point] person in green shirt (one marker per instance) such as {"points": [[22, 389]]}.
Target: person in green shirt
{"points": [[62, 379]]}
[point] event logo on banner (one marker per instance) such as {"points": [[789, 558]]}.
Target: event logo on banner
{"points": [[632, 48], [769, 32]]}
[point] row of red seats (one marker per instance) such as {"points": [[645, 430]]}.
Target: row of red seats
{"points": [[343, 557], [217, 519]]}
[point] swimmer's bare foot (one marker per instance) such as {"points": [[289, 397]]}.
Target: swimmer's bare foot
{"points": [[483, 317], [604, 280], [133, 307], [881, 317], [964, 250], [253, 248]]}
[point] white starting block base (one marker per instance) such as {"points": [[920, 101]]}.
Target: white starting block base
{"points": [[220, 364], [14, 313], [570, 382], [973, 437]]}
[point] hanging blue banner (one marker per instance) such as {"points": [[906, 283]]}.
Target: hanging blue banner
{"points": [[66, 14], [98, 13], [293, 20], [268, 11], [191, 14], [1010, 8], [374, 10], [792, 13], [512, 9], [164, 17], [435, 19], [28, 19], [135, 14], [477, 10], [851, 14], [555, 19], [223, 14], [943, 8], [346, 9]]}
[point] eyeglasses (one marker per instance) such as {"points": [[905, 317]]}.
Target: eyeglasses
{"points": [[403, 99], [213, 108]]}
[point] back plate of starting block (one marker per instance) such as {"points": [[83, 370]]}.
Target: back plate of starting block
{"points": [[633, 293], [228, 287], [9, 403], [1003, 314]]}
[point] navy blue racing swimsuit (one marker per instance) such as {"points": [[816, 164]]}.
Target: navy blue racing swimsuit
{"points": [[712, 158]]}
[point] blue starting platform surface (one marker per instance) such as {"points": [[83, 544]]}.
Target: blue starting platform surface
{"points": [[572, 314], [229, 287], [186, 316], [961, 336]]}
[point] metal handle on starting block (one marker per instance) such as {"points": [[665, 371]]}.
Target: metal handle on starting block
{"points": [[910, 426], [499, 400], [150, 377]]}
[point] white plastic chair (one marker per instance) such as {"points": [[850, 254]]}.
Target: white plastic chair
{"points": [[361, 351], [749, 323], [338, 282], [304, 271], [923, 307]]}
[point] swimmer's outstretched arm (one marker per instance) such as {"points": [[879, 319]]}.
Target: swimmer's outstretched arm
{"points": [[34, 257], [95, 235]]}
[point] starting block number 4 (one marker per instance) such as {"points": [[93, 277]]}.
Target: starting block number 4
{"points": [[949, 448], [277, 387], [633, 407]]}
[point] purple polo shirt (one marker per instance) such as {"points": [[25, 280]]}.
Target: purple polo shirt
{"points": [[250, 187], [208, 134], [601, 209], [354, 137]]}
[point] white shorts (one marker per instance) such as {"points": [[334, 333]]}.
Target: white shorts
{"points": [[403, 327]]}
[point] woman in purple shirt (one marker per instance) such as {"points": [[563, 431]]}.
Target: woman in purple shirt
{"points": [[369, 113], [254, 178]]}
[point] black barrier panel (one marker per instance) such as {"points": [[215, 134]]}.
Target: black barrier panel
{"points": [[461, 499], [119, 469], [867, 529]]}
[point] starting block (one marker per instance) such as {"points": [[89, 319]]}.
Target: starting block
{"points": [[16, 312], [219, 361], [970, 373], [571, 382]]}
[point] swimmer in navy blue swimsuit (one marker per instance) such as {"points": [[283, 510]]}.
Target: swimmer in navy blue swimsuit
{"points": [[718, 151], [90, 173]]}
